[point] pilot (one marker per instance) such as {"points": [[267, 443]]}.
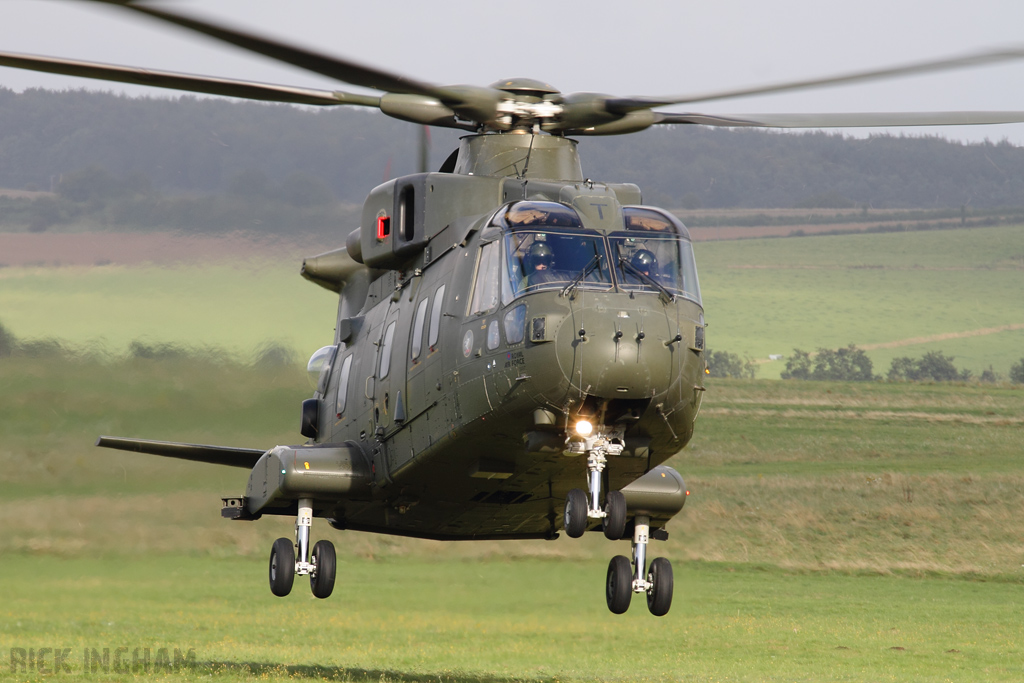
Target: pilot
{"points": [[539, 265], [645, 262]]}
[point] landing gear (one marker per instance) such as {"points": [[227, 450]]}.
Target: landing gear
{"points": [[618, 586], [657, 582], [624, 578], [581, 507], [325, 563], [576, 513], [614, 515], [282, 567], [659, 597], [320, 565]]}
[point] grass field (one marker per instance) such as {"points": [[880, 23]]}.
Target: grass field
{"points": [[896, 294], [770, 296], [418, 619], [858, 532], [233, 306], [835, 532]]}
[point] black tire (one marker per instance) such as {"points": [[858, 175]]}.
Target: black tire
{"points": [[615, 515], [282, 567], [325, 561], [659, 597], [619, 585], [575, 518]]}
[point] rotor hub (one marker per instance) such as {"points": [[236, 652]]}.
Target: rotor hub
{"points": [[526, 87]]}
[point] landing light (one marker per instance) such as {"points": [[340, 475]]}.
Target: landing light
{"points": [[584, 428]]}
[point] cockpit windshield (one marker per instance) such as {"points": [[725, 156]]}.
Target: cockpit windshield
{"points": [[547, 247], [654, 249], [548, 259]]}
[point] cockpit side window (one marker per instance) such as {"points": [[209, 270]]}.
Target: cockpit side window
{"points": [[485, 291]]}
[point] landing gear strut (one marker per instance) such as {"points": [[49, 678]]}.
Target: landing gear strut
{"points": [[579, 507], [320, 565], [624, 577], [623, 581]]}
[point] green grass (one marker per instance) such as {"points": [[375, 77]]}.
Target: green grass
{"points": [[53, 408], [419, 619], [761, 297], [828, 522], [770, 296], [233, 306]]}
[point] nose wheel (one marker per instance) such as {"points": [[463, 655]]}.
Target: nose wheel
{"points": [[582, 506], [320, 565]]}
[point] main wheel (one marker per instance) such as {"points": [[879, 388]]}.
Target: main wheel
{"points": [[619, 586], [576, 507], [325, 563], [659, 597], [282, 567], [615, 515]]}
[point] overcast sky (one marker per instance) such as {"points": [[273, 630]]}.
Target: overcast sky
{"points": [[623, 48]]}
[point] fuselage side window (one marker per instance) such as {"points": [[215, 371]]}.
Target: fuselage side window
{"points": [[435, 319], [485, 291], [417, 329], [346, 368], [385, 351]]}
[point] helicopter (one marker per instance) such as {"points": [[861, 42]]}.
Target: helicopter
{"points": [[518, 348]]}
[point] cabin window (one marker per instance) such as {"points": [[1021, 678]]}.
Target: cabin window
{"points": [[385, 351], [493, 335], [553, 259], [417, 328], [485, 292], [435, 319], [346, 368], [515, 324]]}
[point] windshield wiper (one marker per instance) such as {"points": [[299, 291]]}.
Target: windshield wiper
{"points": [[647, 279], [571, 287]]}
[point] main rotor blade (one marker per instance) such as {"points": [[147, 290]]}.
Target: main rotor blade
{"points": [[626, 104], [265, 92], [337, 68], [845, 120]]}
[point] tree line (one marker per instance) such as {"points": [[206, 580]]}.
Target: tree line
{"points": [[195, 146], [852, 364]]}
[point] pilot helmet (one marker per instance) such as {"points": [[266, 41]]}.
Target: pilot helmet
{"points": [[644, 261], [540, 254]]}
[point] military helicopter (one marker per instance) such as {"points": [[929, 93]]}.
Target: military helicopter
{"points": [[518, 347]]}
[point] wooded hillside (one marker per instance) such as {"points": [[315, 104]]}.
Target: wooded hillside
{"points": [[187, 145]]}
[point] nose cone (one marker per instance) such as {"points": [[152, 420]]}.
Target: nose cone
{"points": [[622, 352]]}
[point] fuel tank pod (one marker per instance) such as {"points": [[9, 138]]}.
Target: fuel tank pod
{"points": [[286, 473], [659, 494]]}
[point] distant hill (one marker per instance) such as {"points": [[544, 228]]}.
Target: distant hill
{"points": [[188, 145]]}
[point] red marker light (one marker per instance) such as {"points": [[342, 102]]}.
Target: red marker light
{"points": [[383, 227], [687, 493]]}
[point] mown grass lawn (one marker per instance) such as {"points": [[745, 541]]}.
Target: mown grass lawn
{"points": [[459, 620]]}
